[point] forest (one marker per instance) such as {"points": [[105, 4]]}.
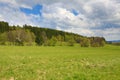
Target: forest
{"points": [[28, 35]]}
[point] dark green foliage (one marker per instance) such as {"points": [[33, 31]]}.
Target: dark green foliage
{"points": [[38, 41], [4, 27], [17, 35], [77, 39]]}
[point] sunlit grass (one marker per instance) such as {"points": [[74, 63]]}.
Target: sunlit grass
{"points": [[59, 63]]}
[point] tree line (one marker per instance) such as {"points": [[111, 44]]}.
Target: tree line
{"points": [[31, 35]]}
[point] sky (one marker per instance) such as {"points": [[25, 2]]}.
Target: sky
{"points": [[84, 17]]}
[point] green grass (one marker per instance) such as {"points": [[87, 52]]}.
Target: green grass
{"points": [[59, 63]]}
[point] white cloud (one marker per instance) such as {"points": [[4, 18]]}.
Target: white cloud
{"points": [[9, 1], [81, 31], [14, 16], [109, 34], [61, 15], [1, 18], [58, 14]]}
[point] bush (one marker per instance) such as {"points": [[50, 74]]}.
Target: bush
{"points": [[51, 42], [85, 42], [71, 42], [97, 42]]}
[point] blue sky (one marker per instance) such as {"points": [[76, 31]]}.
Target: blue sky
{"points": [[84, 17], [36, 10]]}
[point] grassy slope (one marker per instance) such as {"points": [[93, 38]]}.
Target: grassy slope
{"points": [[59, 63]]}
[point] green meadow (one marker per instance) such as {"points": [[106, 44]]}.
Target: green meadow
{"points": [[59, 63]]}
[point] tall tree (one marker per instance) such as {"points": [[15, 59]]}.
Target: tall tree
{"points": [[44, 38], [4, 26]]}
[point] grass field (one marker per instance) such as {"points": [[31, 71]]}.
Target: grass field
{"points": [[59, 63]]}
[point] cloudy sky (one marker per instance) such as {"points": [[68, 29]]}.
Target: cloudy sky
{"points": [[85, 17]]}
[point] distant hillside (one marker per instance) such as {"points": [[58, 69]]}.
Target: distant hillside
{"points": [[114, 41], [33, 35]]}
